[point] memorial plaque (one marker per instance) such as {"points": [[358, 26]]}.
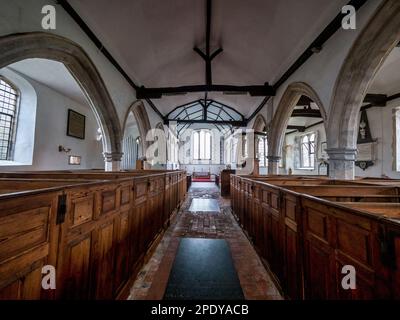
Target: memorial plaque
{"points": [[76, 125]]}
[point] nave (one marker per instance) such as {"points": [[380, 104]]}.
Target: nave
{"points": [[199, 149], [211, 276]]}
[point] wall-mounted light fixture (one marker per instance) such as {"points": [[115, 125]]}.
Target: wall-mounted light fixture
{"points": [[63, 149]]}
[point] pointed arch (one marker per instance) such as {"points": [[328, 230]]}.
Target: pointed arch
{"points": [[260, 125], [282, 114], [373, 45], [139, 112], [21, 46]]}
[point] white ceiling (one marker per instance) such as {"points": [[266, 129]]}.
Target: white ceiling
{"points": [[52, 74], [153, 40], [387, 79]]}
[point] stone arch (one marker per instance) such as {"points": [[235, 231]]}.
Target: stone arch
{"points": [[281, 118], [373, 45], [260, 124], [139, 112], [21, 46]]}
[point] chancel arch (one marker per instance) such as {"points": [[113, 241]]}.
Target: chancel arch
{"points": [[18, 47], [279, 125], [365, 58]]}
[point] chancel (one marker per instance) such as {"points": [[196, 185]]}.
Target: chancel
{"points": [[199, 150]]}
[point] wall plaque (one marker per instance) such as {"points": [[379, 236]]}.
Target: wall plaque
{"points": [[365, 144], [76, 125], [74, 160]]}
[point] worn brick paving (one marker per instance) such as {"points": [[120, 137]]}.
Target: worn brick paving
{"points": [[254, 279]]}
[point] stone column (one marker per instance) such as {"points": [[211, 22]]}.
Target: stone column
{"points": [[256, 167], [112, 161], [273, 164], [342, 163]]}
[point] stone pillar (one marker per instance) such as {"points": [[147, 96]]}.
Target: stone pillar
{"points": [[342, 163], [273, 164], [256, 167], [112, 161]]}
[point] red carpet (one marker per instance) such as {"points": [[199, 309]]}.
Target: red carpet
{"points": [[201, 180]]}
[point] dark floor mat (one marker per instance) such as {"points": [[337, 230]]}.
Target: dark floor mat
{"points": [[203, 270]]}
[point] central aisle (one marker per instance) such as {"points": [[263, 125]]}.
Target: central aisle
{"points": [[188, 264]]}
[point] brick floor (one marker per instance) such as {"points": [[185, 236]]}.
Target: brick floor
{"points": [[254, 279]]}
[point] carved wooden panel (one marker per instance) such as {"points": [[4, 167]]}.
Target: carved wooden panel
{"points": [[318, 271], [354, 241], [103, 261], [82, 209], [28, 237], [76, 275], [122, 250], [108, 201], [317, 224], [22, 231]]}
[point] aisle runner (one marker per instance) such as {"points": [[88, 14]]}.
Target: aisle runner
{"points": [[203, 269]]}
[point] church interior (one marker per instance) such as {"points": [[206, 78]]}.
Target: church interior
{"points": [[199, 150]]}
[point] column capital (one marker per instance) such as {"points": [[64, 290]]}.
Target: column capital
{"points": [[345, 154], [274, 158], [112, 156]]}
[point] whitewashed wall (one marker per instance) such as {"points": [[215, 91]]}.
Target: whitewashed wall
{"points": [[291, 146], [50, 132], [381, 121]]}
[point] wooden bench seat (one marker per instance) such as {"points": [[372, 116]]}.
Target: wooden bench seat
{"points": [[391, 210]]}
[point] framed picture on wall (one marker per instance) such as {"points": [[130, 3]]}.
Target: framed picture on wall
{"points": [[76, 124]]}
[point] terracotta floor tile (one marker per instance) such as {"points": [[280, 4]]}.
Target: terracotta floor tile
{"points": [[254, 279]]}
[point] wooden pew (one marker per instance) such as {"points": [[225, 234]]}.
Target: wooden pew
{"points": [[97, 233], [305, 239]]}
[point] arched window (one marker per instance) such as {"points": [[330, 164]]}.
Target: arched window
{"points": [[8, 118], [307, 149], [202, 145], [262, 150]]}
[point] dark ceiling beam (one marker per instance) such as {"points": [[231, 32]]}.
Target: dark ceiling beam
{"points": [[298, 128], [304, 101], [305, 128], [388, 99], [207, 56], [228, 107], [157, 93], [194, 102], [317, 45], [313, 48], [378, 100], [307, 113], [220, 122]]}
